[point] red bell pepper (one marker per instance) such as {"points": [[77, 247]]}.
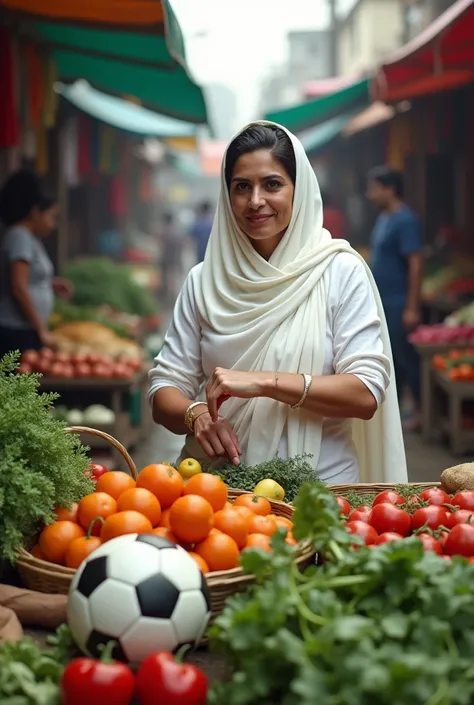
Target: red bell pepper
{"points": [[86, 681], [163, 679]]}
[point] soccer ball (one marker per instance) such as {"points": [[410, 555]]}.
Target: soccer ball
{"points": [[141, 591]]}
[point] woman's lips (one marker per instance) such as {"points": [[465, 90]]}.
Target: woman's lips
{"points": [[258, 220]]}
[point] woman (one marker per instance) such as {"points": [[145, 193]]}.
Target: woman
{"points": [[286, 326], [27, 284]]}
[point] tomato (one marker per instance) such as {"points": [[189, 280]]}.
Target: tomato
{"points": [[219, 551], [283, 522], [55, 539], [57, 369], [102, 371], [388, 537], [97, 470], [442, 538], [79, 549], [208, 486], [165, 518], [461, 516], [431, 516], [388, 497], [43, 366], [30, 357], [204, 568], [46, 354], [430, 543], [121, 371], [344, 506], [464, 500], [62, 358], [141, 500], [261, 541], [263, 525], [83, 370], [387, 517], [191, 518], [360, 528], [234, 524], [97, 504], [460, 541], [436, 496], [24, 369], [163, 481], [114, 483], [165, 533], [129, 522], [93, 358], [79, 359], [245, 512], [361, 513], [258, 505], [64, 514]]}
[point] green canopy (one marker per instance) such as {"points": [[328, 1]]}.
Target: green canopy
{"points": [[318, 137], [314, 112], [149, 66]]}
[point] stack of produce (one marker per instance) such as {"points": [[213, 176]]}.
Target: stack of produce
{"points": [[457, 364], [463, 317], [195, 514], [41, 466], [443, 334], [81, 365], [122, 324], [83, 337], [450, 284]]}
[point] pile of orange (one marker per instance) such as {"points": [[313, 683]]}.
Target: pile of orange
{"points": [[197, 515]]}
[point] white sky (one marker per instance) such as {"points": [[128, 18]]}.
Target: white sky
{"points": [[244, 39]]}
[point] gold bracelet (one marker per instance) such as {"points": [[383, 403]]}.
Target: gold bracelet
{"points": [[307, 385], [190, 416]]}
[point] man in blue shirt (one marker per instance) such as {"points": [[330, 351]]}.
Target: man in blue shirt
{"points": [[397, 266], [202, 229]]}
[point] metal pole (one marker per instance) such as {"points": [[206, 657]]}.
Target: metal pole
{"points": [[334, 63]]}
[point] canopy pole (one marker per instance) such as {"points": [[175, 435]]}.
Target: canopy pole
{"points": [[63, 203]]}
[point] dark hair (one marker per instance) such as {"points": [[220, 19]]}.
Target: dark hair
{"points": [[22, 192], [261, 137], [389, 178]]}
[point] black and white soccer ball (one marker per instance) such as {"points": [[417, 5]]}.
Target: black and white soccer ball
{"points": [[141, 591]]}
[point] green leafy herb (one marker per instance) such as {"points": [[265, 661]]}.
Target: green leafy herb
{"points": [[388, 625], [290, 474], [41, 466]]}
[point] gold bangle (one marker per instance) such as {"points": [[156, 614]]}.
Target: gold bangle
{"points": [[190, 416], [307, 384]]}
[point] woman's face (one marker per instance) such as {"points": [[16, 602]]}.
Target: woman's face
{"points": [[44, 221], [261, 196]]}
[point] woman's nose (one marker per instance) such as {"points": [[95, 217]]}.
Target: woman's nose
{"points": [[256, 198]]}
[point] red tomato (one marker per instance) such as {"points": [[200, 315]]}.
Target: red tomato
{"points": [[93, 358], [62, 357], [442, 538], [464, 500], [101, 370], [414, 499], [47, 353], [361, 513], [344, 506], [43, 366], [121, 371], [57, 369], [97, 470], [461, 516], [366, 532], [78, 359], [24, 369], [430, 543], [388, 537], [83, 370], [431, 516], [460, 541], [30, 357], [387, 517], [388, 497], [435, 495], [68, 370]]}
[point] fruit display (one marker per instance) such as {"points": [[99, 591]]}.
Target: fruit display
{"points": [[61, 365], [195, 514], [88, 337], [449, 284], [443, 334], [457, 364], [462, 317]]}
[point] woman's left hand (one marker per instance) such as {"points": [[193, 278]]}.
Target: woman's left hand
{"points": [[63, 287], [224, 384]]}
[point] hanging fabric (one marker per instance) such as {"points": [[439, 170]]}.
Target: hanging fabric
{"points": [[84, 147], [9, 119], [51, 97], [42, 161], [35, 84]]}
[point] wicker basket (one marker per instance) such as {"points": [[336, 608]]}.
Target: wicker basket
{"points": [[43, 576], [375, 488]]}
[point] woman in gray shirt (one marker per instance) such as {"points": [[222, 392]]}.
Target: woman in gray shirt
{"points": [[27, 282]]}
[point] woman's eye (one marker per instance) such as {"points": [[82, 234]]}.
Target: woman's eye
{"points": [[274, 184], [241, 187]]}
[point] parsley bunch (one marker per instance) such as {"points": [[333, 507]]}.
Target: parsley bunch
{"points": [[40, 465], [389, 625]]}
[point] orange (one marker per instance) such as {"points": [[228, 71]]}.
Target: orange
{"points": [[114, 483], [234, 524], [141, 500], [261, 541], [204, 568], [210, 487], [165, 533], [163, 481], [38, 553], [263, 525], [128, 522], [64, 514], [283, 523], [165, 518], [191, 518], [55, 539], [244, 511], [290, 539], [98, 504], [219, 551], [228, 505], [258, 505], [79, 549]]}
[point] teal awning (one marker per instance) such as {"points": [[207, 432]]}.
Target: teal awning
{"points": [[123, 114], [318, 137], [314, 112]]}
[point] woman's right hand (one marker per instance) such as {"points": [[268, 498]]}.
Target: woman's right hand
{"points": [[217, 438]]}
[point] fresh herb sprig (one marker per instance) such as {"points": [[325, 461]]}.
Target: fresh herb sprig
{"points": [[385, 626]]}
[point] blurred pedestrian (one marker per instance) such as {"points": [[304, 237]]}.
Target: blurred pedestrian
{"points": [[201, 229], [334, 220], [397, 266], [170, 258], [27, 281]]}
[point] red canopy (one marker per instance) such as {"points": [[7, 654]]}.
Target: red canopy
{"points": [[440, 58]]}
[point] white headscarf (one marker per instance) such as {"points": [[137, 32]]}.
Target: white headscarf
{"points": [[283, 302]]}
